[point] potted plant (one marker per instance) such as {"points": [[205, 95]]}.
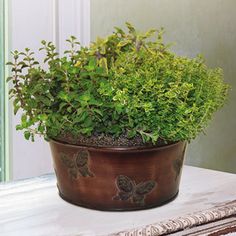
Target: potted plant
{"points": [[117, 115]]}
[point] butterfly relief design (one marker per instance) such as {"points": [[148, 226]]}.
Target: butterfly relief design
{"points": [[77, 165], [129, 190]]}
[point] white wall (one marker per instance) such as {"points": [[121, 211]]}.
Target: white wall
{"points": [[30, 21]]}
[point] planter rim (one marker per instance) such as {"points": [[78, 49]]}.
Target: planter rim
{"points": [[117, 148]]}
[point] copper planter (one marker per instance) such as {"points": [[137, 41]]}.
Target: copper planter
{"points": [[118, 178]]}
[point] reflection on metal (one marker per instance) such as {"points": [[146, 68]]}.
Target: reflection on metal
{"points": [[178, 163]]}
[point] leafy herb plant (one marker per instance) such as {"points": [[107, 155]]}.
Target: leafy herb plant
{"points": [[125, 84]]}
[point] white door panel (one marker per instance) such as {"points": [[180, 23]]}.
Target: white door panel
{"points": [[31, 21]]}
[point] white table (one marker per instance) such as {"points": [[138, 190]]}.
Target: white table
{"points": [[32, 207]]}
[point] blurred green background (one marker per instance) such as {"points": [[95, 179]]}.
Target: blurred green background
{"points": [[207, 27]]}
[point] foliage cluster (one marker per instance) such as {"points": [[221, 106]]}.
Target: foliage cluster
{"points": [[125, 84]]}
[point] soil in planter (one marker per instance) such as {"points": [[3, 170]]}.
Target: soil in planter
{"points": [[101, 140]]}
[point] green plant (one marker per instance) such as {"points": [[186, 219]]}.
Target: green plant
{"points": [[125, 84]]}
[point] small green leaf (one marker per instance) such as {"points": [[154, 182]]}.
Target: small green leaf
{"points": [[131, 133], [123, 43], [27, 135], [9, 78], [42, 117], [98, 111], [92, 63], [9, 63], [130, 27], [19, 127], [103, 64], [16, 109]]}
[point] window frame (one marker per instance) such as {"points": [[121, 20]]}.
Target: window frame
{"points": [[2, 93], [4, 72]]}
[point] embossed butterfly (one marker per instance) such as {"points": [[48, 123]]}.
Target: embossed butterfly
{"points": [[129, 190], [78, 164]]}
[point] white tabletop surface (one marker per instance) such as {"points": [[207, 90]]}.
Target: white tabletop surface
{"points": [[32, 207]]}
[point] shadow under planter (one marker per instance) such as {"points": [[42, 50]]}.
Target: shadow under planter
{"points": [[117, 178]]}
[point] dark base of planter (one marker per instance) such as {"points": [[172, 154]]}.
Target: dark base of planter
{"points": [[118, 209]]}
